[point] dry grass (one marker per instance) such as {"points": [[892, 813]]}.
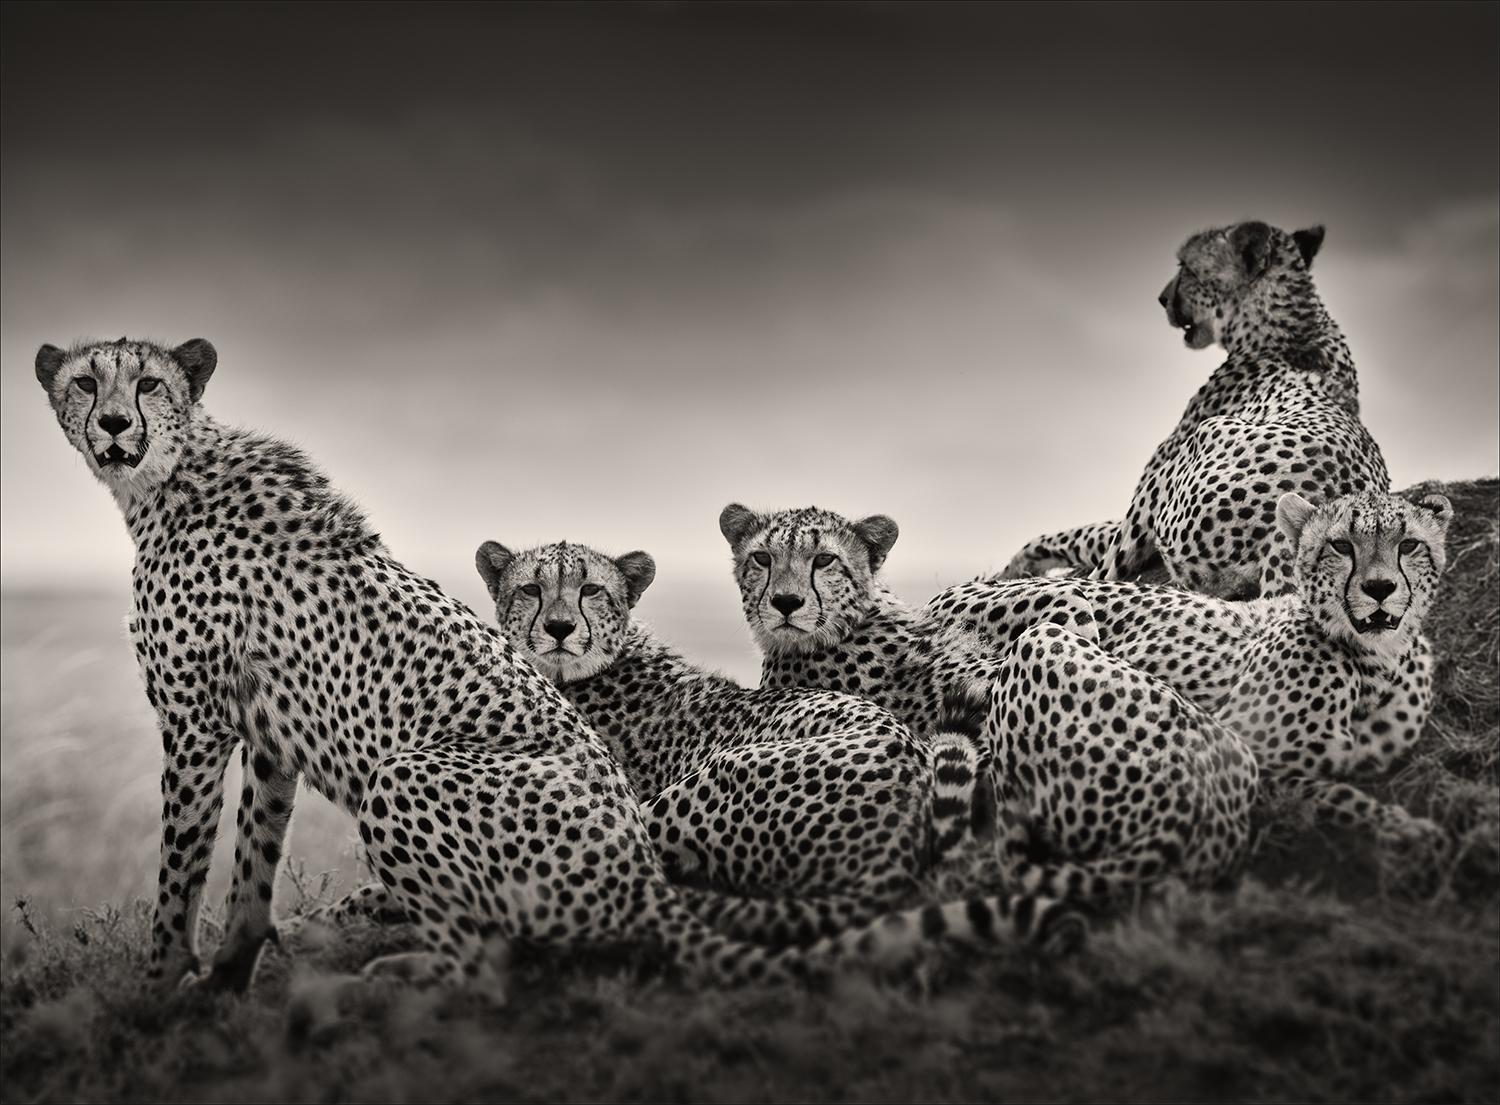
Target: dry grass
{"points": [[1314, 980]]}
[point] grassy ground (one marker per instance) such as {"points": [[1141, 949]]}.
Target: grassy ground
{"points": [[1314, 980]]}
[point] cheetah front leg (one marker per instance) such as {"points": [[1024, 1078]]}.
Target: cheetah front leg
{"points": [[264, 815], [370, 902], [1135, 544], [1335, 802], [192, 786], [1081, 549]]}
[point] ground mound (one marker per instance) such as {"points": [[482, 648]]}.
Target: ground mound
{"points": [[1316, 979]]}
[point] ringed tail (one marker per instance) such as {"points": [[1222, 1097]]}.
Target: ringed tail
{"points": [[885, 943]]}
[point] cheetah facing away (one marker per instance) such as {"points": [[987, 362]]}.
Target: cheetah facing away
{"points": [[820, 801], [1327, 683], [266, 613], [1105, 777], [1280, 414]]}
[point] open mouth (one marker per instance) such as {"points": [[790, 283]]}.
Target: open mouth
{"points": [[116, 457], [1378, 622]]}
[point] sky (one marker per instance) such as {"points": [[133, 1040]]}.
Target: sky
{"points": [[569, 271]]}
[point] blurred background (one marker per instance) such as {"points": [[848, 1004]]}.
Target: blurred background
{"points": [[590, 272]]}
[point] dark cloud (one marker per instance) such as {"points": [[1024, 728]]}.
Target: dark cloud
{"points": [[592, 271]]}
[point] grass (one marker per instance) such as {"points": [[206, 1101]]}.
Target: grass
{"points": [[1317, 979]]}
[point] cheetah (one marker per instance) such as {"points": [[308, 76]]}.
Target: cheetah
{"points": [[268, 614], [819, 801], [1106, 779], [1280, 414], [1327, 683]]}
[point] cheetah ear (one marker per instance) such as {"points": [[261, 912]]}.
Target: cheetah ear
{"points": [[49, 359], [1252, 241], [738, 522], [639, 570], [1439, 507], [878, 533], [198, 358], [492, 559], [1308, 241], [1292, 513]]}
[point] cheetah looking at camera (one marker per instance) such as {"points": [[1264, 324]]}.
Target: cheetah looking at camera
{"points": [[1329, 683], [267, 614], [1106, 779], [821, 799], [1281, 414]]}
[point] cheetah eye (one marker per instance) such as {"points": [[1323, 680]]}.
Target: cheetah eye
{"points": [[531, 589], [147, 385], [761, 558], [823, 559], [589, 590], [1408, 546], [86, 384], [1342, 547]]}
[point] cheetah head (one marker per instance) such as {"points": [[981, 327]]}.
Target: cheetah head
{"points": [[1368, 565], [1216, 268], [805, 576], [127, 405], [565, 608]]}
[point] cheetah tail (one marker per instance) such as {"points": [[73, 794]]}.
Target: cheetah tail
{"points": [[962, 806], [781, 921], [884, 943]]}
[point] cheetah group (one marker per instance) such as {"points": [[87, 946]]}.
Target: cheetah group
{"points": [[557, 774]]}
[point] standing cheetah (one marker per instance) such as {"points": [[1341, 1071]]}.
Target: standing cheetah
{"points": [[1106, 778], [822, 800], [1330, 682], [1281, 414], [267, 613]]}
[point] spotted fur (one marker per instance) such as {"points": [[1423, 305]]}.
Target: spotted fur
{"points": [[266, 613], [818, 802], [1091, 809], [1329, 682], [1281, 414]]}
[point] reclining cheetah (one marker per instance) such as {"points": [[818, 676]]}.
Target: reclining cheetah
{"points": [[1281, 414], [1106, 778], [268, 614], [821, 799], [1327, 683]]}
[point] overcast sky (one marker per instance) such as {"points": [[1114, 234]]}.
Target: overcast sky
{"points": [[533, 273]]}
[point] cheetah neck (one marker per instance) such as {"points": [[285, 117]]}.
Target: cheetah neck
{"points": [[1286, 609], [643, 704], [649, 666], [905, 661], [220, 462], [1283, 325], [189, 477]]}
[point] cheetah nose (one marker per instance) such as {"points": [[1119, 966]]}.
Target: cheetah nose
{"points": [[786, 604], [1377, 589], [114, 423], [559, 629]]}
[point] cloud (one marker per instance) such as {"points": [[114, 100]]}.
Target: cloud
{"points": [[1419, 312]]}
